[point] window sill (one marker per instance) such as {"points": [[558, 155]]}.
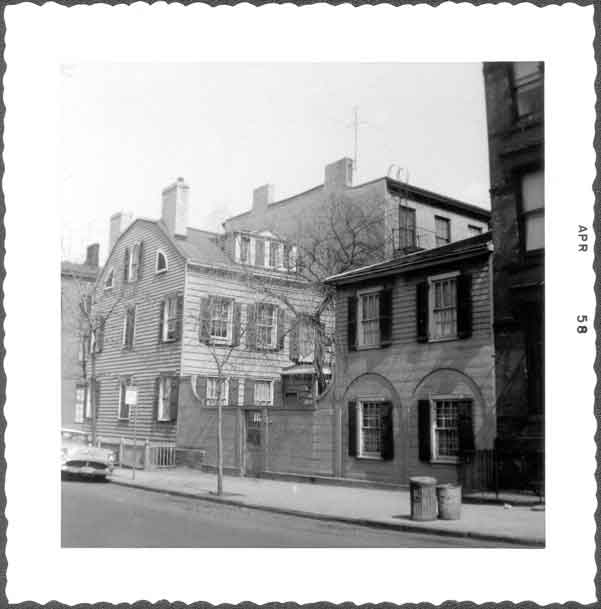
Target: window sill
{"points": [[445, 461], [123, 419], [369, 458], [161, 272], [167, 341], [368, 347], [444, 339], [164, 421]]}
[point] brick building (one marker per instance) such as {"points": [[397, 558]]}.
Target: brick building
{"points": [[515, 116], [77, 282]]}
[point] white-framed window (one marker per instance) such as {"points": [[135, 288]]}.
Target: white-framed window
{"points": [[123, 409], [134, 262], [306, 340], [533, 209], [245, 249], [87, 412], [474, 230], [160, 263], [275, 254], [443, 306], [129, 327], [266, 325], [445, 428], [221, 318], [443, 230], [264, 393], [368, 318], [370, 429], [164, 404], [169, 328], [80, 398], [110, 278], [213, 389]]}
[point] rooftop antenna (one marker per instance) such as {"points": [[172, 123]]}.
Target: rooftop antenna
{"points": [[355, 124]]}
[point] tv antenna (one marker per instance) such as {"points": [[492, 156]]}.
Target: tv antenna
{"points": [[356, 123]]}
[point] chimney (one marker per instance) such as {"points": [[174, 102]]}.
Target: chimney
{"points": [[339, 174], [92, 255], [175, 207], [263, 196], [118, 223]]}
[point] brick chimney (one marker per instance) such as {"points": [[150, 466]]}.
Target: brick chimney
{"points": [[175, 207], [339, 174], [92, 255], [263, 196], [118, 223]]}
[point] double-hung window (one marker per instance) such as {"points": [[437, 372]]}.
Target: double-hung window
{"points": [[169, 319], [129, 327], [369, 319], [370, 429], [533, 209], [445, 429], [266, 326], [443, 230], [371, 434], [244, 249], [443, 306], [217, 391], [275, 254], [528, 87], [407, 235], [221, 310], [80, 399], [263, 393], [306, 341]]}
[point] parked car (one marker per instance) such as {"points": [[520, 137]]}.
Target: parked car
{"points": [[86, 460]]}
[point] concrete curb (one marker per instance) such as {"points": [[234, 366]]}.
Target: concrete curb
{"points": [[365, 522]]}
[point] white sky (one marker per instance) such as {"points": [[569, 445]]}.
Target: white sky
{"points": [[127, 130]]}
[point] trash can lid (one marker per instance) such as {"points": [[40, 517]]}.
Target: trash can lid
{"points": [[423, 480]]}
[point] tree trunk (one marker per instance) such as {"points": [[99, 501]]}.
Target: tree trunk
{"points": [[92, 389], [219, 438]]}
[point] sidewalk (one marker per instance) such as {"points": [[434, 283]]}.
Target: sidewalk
{"points": [[364, 506]]}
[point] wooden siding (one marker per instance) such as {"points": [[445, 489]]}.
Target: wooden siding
{"points": [[148, 358], [408, 370], [244, 362]]}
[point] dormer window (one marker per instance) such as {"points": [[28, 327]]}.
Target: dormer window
{"points": [[161, 263], [275, 255], [108, 282], [244, 249]]}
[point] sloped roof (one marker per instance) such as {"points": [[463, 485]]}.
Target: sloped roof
{"points": [[202, 246], [79, 270], [464, 248]]}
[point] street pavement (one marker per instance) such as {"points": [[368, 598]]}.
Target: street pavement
{"points": [[103, 514]]}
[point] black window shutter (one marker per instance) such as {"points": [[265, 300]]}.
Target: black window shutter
{"points": [[352, 429], [173, 397], [465, 427], [464, 305], [421, 311], [386, 317], [161, 319], [352, 323], [423, 430], [259, 252], [249, 392], [180, 317], [155, 398], [281, 329], [286, 259], [251, 326], [387, 432], [131, 327], [126, 265], [277, 393], [236, 324], [293, 339], [96, 404], [140, 258], [233, 391], [204, 319], [99, 342]]}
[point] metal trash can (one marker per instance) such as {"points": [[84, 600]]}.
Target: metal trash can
{"points": [[449, 501], [423, 498]]}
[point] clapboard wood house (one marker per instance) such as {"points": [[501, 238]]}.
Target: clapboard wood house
{"points": [[189, 322], [414, 385]]}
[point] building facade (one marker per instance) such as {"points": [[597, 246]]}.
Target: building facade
{"points": [[414, 385], [515, 116], [77, 282]]}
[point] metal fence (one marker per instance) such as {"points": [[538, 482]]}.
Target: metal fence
{"points": [[141, 455]]}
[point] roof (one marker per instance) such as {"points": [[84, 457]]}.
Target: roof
{"points": [[202, 246], [419, 194], [458, 250], [79, 270]]}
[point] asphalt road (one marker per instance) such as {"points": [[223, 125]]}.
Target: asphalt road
{"points": [[102, 514]]}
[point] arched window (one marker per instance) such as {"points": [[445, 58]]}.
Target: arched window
{"points": [[161, 262], [108, 282]]}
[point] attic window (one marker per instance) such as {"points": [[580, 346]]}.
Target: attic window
{"points": [[161, 262], [108, 282]]}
